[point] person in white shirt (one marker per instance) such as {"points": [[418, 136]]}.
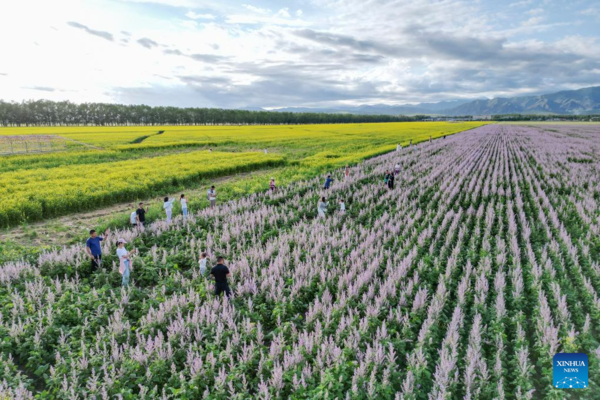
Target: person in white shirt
{"points": [[133, 218], [168, 206], [342, 206], [397, 169], [184, 208], [398, 147], [124, 261], [202, 263], [212, 196], [322, 207]]}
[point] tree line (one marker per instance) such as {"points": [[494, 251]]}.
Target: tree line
{"points": [[65, 113]]}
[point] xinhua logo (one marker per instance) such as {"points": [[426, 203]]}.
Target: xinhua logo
{"points": [[570, 370]]}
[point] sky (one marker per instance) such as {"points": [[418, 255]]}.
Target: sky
{"points": [[301, 53]]}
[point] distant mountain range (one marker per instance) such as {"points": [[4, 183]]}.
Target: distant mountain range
{"points": [[582, 101]]}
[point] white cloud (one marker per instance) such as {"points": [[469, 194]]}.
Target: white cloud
{"points": [[591, 12], [283, 13], [193, 15], [328, 52], [257, 10], [189, 24]]}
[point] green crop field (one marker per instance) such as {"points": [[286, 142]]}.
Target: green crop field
{"points": [[127, 163]]}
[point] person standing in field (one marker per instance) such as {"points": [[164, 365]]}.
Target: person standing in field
{"points": [[124, 261], [322, 207], [141, 215], [398, 147], [220, 272], [184, 209], [342, 206], [94, 250], [410, 143], [211, 195], [391, 181], [347, 172], [266, 151], [168, 206], [386, 178], [133, 218], [328, 181], [202, 263], [272, 185], [397, 169]]}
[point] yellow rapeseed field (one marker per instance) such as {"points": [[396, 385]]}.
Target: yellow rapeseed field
{"points": [[138, 162]]}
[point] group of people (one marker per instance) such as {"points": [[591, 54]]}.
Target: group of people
{"points": [[220, 272], [390, 176], [138, 217]]}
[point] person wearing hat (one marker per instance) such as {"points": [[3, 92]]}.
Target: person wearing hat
{"points": [[272, 185], [124, 261]]}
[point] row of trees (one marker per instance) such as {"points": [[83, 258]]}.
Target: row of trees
{"points": [[65, 113]]}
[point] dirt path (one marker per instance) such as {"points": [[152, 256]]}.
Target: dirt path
{"points": [[69, 228]]}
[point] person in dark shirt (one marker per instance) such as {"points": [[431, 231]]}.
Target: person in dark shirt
{"points": [[94, 250], [141, 214], [391, 181], [220, 272], [328, 181]]}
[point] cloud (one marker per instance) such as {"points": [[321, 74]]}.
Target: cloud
{"points": [[205, 58], [3, 74], [257, 10], [189, 24], [102, 34], [304, 53], [147, 43], [347, 41], [193, 15], [593, 12], [41, 88], [283, 13]]}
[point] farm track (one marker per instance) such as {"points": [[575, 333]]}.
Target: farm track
{"points": [[462, 282], [67, 229]]}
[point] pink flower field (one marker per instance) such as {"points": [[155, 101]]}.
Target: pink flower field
{"points": [[462, 281]]}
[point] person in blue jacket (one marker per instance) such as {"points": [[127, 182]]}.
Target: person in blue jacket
{"points": [[328, 181]]}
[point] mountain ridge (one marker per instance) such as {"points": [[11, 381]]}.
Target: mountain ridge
{"points": [[566, 102]]}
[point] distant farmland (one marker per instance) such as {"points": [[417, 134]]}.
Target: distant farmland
{"points": [[100, 166]]}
